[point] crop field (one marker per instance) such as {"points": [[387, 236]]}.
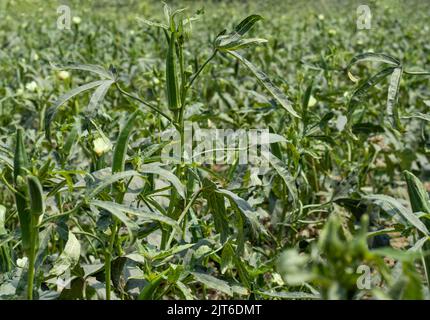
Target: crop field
{"points": [[214, 150]]}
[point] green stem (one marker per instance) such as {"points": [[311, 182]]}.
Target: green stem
{"points": [[58, 215], [187, 86], [202, 67], [145, 103], [107, 273], [31, 261], [416, 73], [108, 260], [190, 203], [30, 276]]}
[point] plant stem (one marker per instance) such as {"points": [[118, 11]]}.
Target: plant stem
{"points": [[107, 273], [193, 199], [30, 276], [144, 103], [187, 86], [416, 73], [31, 262], [108, 260], [201, 68]]}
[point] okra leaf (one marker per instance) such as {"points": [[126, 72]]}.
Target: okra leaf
{"points": [[290, 295], [113, 208], [268, 84], [98, 186], [8, 161], [282, 170], [234, 42], [372, 57], [214, 283], [88, 67], [68, 258], [245, 208], [107, 205], [99, 70], [418, 115], [186, 291], [393, 92], [71, 140], [153, 23], [120, 150], [216, 205], [395, 209], [155, 168], [246, 24], [52, 111], [99, 94], [365, 86]]}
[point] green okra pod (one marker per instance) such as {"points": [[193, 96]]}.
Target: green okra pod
{"points": [[173, 96], [20, 169], [418, 196]]}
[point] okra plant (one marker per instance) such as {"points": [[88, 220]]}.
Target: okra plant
{"points": [[100, 197]]}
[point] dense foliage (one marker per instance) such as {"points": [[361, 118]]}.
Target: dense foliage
{"points": [[88, 209]]}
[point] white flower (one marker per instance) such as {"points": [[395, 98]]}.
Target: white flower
{"points": [[321, 17], [21, 263], [101, 146], [312, 101], [76, 20], [63, 75], [31, 86], [278, 279]]}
